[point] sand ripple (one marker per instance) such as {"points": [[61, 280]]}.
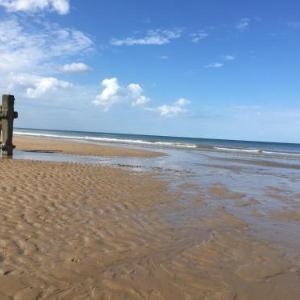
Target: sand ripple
{"points": [[70, 231]]}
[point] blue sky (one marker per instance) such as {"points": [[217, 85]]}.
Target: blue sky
{"points": [[217, 69]]}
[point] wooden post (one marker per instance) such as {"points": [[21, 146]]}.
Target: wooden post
{"points": [[7, 116]]}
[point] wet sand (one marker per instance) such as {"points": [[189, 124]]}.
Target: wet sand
{"points": [[46, 145], [74, 231]]}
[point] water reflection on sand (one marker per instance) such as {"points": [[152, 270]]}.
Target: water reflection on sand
{"points": [[261, 190]]}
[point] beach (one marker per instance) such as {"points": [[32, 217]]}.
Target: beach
{"points": [[93, 231], [36, 144], [149, 150]]}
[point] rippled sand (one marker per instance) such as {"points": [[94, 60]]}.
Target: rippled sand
{"points": [[70, 231]]}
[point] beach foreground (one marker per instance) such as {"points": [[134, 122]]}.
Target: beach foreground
{"points": [[74, 231]]}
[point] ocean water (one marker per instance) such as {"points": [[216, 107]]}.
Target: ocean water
{"points": [[200, 144]]}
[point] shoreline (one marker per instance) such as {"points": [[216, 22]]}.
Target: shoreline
{"points": [[51, 145], [256, 148]]}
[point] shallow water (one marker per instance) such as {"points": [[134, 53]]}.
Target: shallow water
{"points": [[258, 189]]}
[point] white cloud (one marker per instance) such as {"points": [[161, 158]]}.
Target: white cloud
{"points": [[76, 68], [18, 50], [60, 6], [37, 86], [30, 55], [198, 36], [182, 102], [46, 85], [65, 41], [243, 24], [153, 37], [216, 65], [175, 109], [109, 95], [137, 94], [229, 57], [113, 93]]}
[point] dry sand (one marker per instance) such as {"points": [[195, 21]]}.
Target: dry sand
{"points": [[34, 144], [72, 231]]}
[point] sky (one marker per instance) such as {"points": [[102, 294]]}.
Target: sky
{"points": [[213, 69]]}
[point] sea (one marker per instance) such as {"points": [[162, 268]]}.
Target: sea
{"points": [[196, 144]]}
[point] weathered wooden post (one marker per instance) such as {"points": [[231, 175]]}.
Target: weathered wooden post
{"points": [[7, 116]]}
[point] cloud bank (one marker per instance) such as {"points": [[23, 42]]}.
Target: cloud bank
{"points": [[29, 57]]}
